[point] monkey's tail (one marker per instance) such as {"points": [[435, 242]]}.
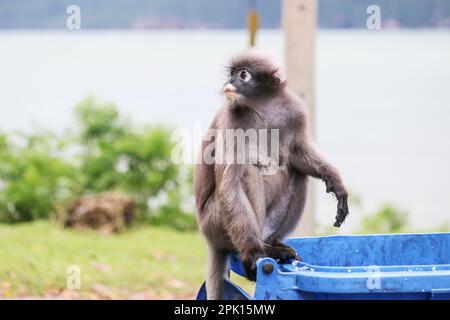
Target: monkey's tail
{"points": [[217, 271]]}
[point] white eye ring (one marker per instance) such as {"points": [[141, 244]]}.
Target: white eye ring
{"points": [[245, 75]]}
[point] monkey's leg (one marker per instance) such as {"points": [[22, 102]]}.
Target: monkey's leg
{"points": [[282, 219], [284, 215], [217, 270], [240, 216], [210, 224]]}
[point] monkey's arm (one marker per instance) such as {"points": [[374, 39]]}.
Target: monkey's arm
{"points": [[204, 184], [307, 160], [204, 179]]}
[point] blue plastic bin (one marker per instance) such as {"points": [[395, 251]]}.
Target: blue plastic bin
{"points": [[401, 266]]}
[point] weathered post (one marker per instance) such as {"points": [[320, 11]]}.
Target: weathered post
{"points": [[299, 18]]}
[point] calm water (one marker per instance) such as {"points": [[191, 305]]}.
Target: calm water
{"points": [[383, 99]]}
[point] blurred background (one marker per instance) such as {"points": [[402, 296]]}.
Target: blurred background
{"points": [[87, 115]]}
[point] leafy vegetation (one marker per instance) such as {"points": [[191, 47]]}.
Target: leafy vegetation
{"points": [[391, 219], [33, 177], [388, 219], [107, 153], [117, 155]]}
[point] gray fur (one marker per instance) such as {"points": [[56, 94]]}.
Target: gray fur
{"points": [[238, 208]]}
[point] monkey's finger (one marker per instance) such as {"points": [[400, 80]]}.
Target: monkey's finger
{"points": [[290, 257], [337, 224], [339, 221], [342, 213], [250, 271]]}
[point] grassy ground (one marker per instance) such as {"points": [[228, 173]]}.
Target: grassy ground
{"points": [[144, 263]]}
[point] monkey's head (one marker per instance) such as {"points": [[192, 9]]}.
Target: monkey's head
{"points": [[251, 77]]}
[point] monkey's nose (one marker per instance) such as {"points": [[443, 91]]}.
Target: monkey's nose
{"points": [[229, 88]]}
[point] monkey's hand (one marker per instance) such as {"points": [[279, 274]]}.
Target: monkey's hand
{"points": [[341, 195], [249, 262]]}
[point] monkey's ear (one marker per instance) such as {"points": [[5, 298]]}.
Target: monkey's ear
{"points": [[273, 81]]}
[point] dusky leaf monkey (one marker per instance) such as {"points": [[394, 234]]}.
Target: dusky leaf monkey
{"points": [[238, 207]]}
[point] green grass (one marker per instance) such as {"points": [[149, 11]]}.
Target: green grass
{"points": [[150, 262], [147, 262]]}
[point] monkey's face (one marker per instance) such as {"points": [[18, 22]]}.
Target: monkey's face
{"points": [[239, 85], [248, 82]]}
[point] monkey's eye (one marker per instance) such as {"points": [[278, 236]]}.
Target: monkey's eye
{"points": [[245, 75]]}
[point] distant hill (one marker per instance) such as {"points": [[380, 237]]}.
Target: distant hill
{"points": [[214, 13]]}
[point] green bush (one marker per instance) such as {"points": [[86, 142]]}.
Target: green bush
{"points": [[388, 219], [34, 177], [107, 153], [116, 155]]}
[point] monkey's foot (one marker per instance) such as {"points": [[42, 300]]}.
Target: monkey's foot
{"points": [[279, 251], [250, 265]]}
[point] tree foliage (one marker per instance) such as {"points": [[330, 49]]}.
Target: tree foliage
{"points": [[387, 219], [37, 175], [33, 177]]}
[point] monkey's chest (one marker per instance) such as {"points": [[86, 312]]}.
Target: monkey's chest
{"points": [[270, 175], [274, 185], [267, 163], [262, 189]]}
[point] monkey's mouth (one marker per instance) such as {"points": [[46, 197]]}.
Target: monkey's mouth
{"points": [[230, 91]]}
